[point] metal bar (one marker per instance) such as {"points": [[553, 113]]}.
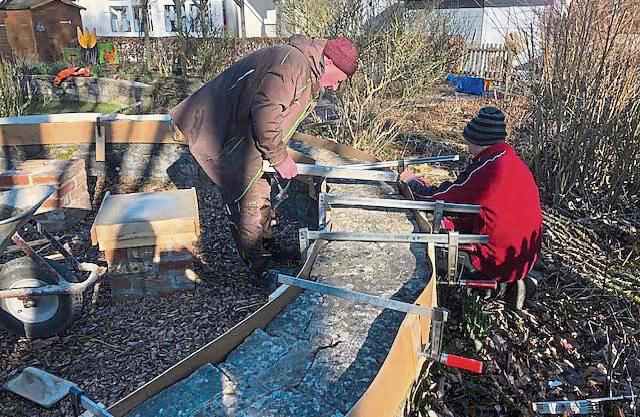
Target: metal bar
{"points": [[303, 236], [343, 200], [355, 296], [100, 141], [452, 262], [56, 243], [64, 287], [438, 216], [326, 171], [323, 211], [28, 250], [394, 237], [404, 162]]}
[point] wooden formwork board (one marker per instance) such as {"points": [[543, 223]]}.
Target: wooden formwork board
{"points": [[76, 128]]}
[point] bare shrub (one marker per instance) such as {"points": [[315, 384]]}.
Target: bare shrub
{"points": [[13, 100], [582, 136], [402, 53]]}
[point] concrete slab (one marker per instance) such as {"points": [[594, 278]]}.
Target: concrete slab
{"points": [[207, 386]]}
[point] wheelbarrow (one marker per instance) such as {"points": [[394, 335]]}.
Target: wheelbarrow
{"points": [[39, 297]]}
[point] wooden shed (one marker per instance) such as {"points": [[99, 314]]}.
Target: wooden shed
{"points": [[38, 29]]}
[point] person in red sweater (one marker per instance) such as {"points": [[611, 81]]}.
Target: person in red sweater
{"points": [[500, 182]]}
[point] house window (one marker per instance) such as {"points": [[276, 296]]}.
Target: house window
{"points": [[119, 19], [171, 19], [137, 19]]}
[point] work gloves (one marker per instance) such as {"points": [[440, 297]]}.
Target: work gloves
{"points": [[287, 168]]}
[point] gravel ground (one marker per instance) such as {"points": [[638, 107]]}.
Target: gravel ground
{"points": [[115, 348]]}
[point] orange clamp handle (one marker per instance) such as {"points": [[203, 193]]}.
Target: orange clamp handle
{"points": [[480, 283], [462, 363]]}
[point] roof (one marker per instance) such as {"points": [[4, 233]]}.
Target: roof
{"points": [[32, 4]]}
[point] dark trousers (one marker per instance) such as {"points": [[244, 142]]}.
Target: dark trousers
{"points": [[251, 224]]}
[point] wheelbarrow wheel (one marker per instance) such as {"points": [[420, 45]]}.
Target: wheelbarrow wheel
{"points": [[51, 315]]}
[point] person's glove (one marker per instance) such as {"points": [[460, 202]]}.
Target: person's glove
{"points": [[407, 176], [287, 168]]}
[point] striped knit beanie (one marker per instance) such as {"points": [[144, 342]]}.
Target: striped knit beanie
{"points": [[487, 128]]}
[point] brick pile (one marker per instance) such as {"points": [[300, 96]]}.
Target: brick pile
{"points": [[69, 177], [149, 252]]}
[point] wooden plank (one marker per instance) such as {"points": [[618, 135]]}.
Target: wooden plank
{"points": [[177, 240], [195, 202], [47, 134], [94, 235], [141, 131], [335, 147], [146, 229]]}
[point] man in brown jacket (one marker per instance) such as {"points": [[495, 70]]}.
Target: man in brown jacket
{"points": [[247, 114]]}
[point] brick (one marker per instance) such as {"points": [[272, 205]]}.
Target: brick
{"points": [[67, 187], [52, 203], [13, 177], [141, 252], [45, 179], [119, 267], [166, 265], [115, 255], [156, 282], [119, 283]]}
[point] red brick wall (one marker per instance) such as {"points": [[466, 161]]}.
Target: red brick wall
{"points": [[69, 177], [149, 271]]}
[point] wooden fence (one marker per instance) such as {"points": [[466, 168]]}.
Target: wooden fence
{"points": [[490, 61]]}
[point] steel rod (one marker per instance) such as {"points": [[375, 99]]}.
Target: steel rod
{"points": [[28, 250], [343, 200], [355, 296], [394, 237], [326, 171], [413, 161]]}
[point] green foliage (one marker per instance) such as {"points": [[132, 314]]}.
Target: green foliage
{"points": [[476, 325]]}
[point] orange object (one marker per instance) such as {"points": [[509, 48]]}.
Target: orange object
{"points": [[71, 72]]}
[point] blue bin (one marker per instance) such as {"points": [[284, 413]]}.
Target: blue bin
{"points": [[467, 85]]}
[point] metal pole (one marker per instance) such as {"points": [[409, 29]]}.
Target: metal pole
{"points": [[355, 296], [342, 200], [394, 237], [404, 162], [326, 171]]}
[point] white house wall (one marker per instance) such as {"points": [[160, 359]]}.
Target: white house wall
{"points": [[98, 15], [260, 18], [501, 21]]}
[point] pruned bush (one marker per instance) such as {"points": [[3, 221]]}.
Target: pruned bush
{"points": [[582, 134], [402, 53]]}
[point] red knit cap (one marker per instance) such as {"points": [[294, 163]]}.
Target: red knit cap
{"points": [[343, 54]]}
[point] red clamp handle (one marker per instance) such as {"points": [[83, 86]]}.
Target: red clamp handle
{"points": [[480, 283], [462, 363]]}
